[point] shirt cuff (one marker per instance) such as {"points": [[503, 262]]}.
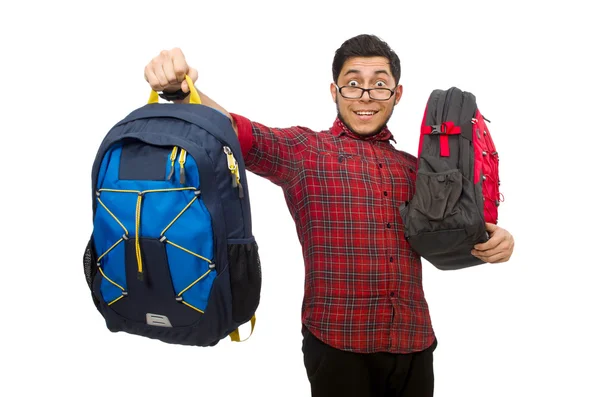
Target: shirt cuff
{"points": [[244, 130]]}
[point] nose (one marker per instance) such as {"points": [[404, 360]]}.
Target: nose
{"points": [[365, 96]]}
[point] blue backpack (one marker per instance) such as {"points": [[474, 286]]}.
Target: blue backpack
{"points": [[172, 255]]}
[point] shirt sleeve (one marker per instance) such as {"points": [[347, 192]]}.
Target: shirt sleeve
{"points": [[273, 153]]}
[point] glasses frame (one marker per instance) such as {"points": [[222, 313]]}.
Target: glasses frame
{"points": [[368, 90]]}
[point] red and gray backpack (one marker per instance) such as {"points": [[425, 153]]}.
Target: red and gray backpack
{"points": [[457, 183]]}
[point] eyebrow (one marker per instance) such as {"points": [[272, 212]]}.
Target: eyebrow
{"points": [[358, 72]]}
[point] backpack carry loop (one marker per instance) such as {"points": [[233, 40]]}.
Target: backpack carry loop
{"points": [[194, 96]]}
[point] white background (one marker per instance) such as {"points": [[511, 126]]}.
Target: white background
{"points": [[69, 71]]}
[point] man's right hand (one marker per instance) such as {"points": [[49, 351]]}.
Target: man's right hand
{"points": [[166, 72]]}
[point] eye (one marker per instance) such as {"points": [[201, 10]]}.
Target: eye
{"points": [[380, 83], [353, 83]]}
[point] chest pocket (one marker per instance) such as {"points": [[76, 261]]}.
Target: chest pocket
{"points": [[342, 171], [353, 175]]}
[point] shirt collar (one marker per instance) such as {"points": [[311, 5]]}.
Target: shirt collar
{"points": [[339, 128]]}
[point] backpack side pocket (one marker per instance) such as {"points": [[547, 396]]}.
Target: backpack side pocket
{"points": [[90, 267], [245, 277]]}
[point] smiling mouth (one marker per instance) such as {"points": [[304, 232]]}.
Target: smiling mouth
{"points": [[365, 115]]}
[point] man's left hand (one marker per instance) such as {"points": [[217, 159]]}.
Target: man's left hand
{"points": [[498, 248]]}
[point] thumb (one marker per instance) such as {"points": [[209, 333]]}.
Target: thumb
{"points": [[490, 227]]}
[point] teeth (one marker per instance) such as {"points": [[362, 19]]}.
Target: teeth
{"points": [[365, 113]]}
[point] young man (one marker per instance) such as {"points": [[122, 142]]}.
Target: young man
{"points": [[366, 324]]}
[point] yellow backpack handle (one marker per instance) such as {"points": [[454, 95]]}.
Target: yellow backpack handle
{"points": [[194, 97], [235, 335]]}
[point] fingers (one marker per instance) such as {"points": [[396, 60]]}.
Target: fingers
{"points": [[495, 258], [500, 251], [166, 76], [167, 70], [495, 239], [502, 247], [497, 234], [180, 66]]}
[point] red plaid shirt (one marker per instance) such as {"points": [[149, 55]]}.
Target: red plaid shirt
{"points": [[363, 289]]}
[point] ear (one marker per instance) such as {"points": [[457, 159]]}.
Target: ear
{"points": [[398, 94], [334, 92]]}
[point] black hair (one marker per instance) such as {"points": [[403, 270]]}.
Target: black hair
{"points": [[365, 45]]}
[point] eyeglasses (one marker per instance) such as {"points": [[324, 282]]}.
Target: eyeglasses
{"points": [[353, 92]]}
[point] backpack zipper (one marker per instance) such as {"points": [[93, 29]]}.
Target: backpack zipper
{"points": [[235, 171], [446, 106], [172, 158], [182, 157], [231, 164]]}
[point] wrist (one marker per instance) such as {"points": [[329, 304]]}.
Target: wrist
{"points": [[178, 95]]}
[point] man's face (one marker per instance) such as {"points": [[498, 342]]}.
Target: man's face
{"points": [[364, 115]]}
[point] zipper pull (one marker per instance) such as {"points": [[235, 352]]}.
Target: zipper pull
{"points": [[235, 171], [232, 164], [182, 157], [237, 180], [241, 191], [172, 158]]}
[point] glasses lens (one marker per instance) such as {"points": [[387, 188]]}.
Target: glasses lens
{"points": [[351, 92], [381, 93]]}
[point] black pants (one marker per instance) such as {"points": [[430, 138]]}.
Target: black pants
{"points": [[334, 372]]}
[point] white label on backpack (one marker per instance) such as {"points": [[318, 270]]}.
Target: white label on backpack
{"points": [[158, 320]]}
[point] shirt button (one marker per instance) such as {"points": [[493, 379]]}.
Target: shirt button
{"points": [[385, 193], [392, 294], [388, 225], [391, 258], [380, 165]]}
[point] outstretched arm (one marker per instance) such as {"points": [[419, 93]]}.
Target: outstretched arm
{"points": [[273, 153]]}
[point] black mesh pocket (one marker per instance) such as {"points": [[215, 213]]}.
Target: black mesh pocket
{"points": [[90, 267], [245, 277]]}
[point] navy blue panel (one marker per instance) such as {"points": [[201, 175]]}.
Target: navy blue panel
{"points": [[230, 196], [210, 328], [204, 117], [143, 162], [154, 294]]}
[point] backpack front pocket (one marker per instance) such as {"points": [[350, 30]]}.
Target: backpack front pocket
{"points": [[437, 194]]}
